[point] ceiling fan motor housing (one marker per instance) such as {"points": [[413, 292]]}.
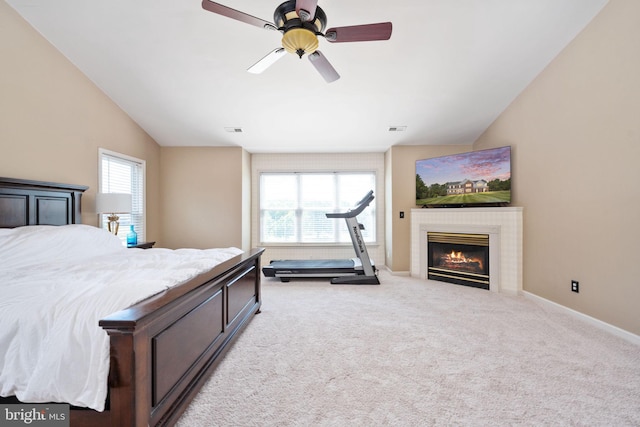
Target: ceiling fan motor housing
{"points": [[300, 36]]}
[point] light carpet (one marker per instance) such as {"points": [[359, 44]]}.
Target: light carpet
{"points": [[413, 353]]}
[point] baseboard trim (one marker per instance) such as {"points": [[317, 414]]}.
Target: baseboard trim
{"points": [[397, 273], [626, 335]]}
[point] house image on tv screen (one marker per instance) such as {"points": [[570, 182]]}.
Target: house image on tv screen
{"points": [[474, 178], [467, 186]]}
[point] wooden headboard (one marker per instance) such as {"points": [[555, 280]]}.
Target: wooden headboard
{"points": [[26, 202]]}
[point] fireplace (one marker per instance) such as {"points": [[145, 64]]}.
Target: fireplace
{"points": [[503, 225], [459, 258]]}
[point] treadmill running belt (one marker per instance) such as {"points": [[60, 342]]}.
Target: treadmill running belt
{"points": [[313, 263]]}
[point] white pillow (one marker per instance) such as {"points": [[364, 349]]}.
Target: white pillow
{"points": [[32, 245]]}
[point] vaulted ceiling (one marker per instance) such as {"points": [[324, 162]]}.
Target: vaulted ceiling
{"points": [[448, 70]]}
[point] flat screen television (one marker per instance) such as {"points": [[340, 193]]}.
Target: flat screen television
{"points": [[477, 178]]}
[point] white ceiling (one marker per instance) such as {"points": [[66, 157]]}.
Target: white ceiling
{"points": [[450, 68]]}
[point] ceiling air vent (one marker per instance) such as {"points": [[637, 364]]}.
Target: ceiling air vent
{"points": [[234, 130], [397, 128]]}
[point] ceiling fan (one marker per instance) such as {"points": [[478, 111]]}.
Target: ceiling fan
{"points": [[301, 22]]}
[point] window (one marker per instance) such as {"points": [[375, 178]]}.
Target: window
{"points": [[293, 206], [123, 174]]}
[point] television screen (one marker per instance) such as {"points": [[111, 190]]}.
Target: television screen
{"points": [[469, 179]]}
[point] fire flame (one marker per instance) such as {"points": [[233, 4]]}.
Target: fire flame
{"points": [[458, 257]]}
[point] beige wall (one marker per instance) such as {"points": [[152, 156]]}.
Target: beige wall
{"points": [[575, 133], [53, 119], [401, 197], [203, 197]]}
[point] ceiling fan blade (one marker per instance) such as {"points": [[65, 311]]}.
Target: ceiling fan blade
{"points": [[236, 14], [323, 66], [308, 7], [267, 61], [360, 33]]}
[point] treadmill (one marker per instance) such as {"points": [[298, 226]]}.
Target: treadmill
{"points": [[354, 271]]}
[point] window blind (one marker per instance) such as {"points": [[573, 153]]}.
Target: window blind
{"points": [[124, 174]]}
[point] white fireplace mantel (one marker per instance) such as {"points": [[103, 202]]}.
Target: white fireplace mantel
{"points": [[503, 225]]}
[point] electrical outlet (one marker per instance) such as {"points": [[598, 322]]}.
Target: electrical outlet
{"points": [[575, 286]]}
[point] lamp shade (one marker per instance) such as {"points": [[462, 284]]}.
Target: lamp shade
{"points": [[113, 203], [300, 41]]}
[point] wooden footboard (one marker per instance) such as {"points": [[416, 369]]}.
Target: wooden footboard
{"points": [[164, 348]]}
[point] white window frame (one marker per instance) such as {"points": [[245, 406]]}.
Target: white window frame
{"points": [[340, 228], [139, 201]]}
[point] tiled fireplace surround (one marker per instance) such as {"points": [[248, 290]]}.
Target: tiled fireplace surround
{"points": [[503, 225]]}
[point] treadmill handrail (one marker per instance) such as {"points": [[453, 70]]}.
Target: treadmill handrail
{"points": [[361, 205]]}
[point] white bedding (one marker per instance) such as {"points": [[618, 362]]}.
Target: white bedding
{"points": [[56, 283]]}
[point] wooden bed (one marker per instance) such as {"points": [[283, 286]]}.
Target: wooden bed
{"points": [[162, 349]]}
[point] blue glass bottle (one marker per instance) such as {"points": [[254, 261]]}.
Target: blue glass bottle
{"points": [[132, 237]]}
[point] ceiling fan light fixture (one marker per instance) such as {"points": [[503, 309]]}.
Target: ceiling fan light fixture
{"points": [[301, 22], [300, 41]]}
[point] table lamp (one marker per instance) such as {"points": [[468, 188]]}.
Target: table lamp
{"points": [[112, 204]]}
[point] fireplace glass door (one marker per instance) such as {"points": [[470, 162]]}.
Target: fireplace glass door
{"points": [[459, 258]]}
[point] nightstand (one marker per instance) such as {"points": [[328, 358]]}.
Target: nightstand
{"points": [[143, 245]]}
